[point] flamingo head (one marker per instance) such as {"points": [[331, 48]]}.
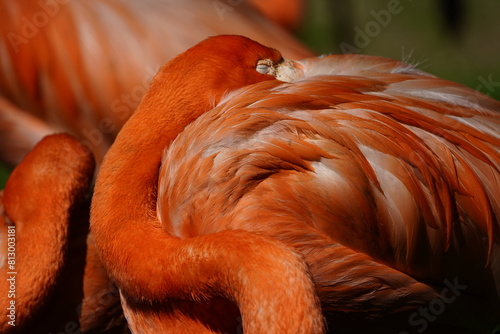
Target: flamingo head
{"points": [[196, 80]]}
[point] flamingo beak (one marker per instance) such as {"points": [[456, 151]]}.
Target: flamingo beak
{"points": [[288, 70]]}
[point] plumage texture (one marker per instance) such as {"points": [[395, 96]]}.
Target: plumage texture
{"points": [[61, 164], [379, 182], [59, 282], [145, 283], [376, 156], [83, 66]]}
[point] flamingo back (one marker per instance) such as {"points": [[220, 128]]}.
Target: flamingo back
{"points": [[364, 152]]}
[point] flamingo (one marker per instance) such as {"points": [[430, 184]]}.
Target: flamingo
{"points": [[91, 92], [55, 276], [83, 66], [344, 193]]}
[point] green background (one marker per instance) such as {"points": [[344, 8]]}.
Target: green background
{"points": [[418, 34]]}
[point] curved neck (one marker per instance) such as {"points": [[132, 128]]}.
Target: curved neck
{"points": [[151, 266], [182, 90], [40, 206], [134, 159], [129, 174]]}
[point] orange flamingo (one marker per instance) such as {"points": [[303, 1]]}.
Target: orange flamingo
{"points": [[56, 282], [361, 196], [50, 83], [83, 66]]}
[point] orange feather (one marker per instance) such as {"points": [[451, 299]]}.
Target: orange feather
{"points": [[353, 186], [59, 282], [88, 66]]}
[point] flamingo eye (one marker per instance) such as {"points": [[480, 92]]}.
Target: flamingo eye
{"points": [[264, 66]]}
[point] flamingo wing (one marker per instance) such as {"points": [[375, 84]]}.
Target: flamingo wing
{"points": [[380, 175]]}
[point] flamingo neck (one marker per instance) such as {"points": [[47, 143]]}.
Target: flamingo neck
{"points": [[41, 205], [129, 175], [144, 261]]}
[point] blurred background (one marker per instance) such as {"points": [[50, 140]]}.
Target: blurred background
{"points": [[455, 39]]}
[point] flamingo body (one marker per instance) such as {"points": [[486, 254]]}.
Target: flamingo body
{"points": [[366, 161], [368, 180]]}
